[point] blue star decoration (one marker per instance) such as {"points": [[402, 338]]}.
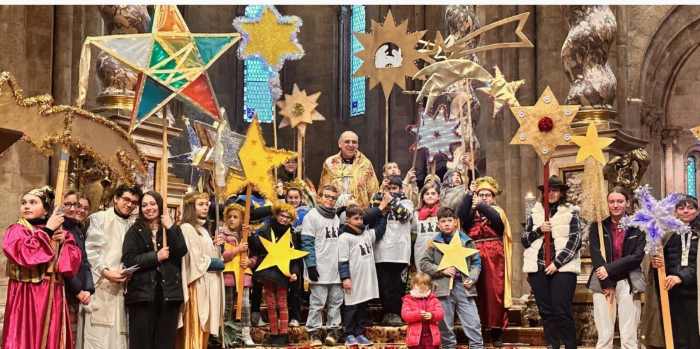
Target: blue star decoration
{"points": [[437, 133]]}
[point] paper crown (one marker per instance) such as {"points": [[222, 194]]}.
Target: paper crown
{"points": [[487, 183]]}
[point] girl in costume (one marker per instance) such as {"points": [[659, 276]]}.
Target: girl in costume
{"points": [[425, 220], [294, 196], [40, 255], [153, 294], [488, 226], [559, 276], [422, 312]]}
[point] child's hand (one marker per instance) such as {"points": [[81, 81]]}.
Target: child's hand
{"points": [[347, 285], [468, 283], [426, 315], [243, 247], [451, 271], [293, 277]]}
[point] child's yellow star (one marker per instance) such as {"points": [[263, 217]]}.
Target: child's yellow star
{"points": [[280, 253], [454, 254], [591, 145]]}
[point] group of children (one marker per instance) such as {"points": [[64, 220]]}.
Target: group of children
{"points": [[356, 255]]}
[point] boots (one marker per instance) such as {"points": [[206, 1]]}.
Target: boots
{"points": [[316, 340], [331, 337], [246, 338]]}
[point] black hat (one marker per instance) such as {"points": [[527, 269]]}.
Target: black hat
{"points": [[555, 182], [395, 180]]}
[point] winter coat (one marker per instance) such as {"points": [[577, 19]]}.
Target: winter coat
{"points": [[138, 251], [413, 304], [83, 281], [632, 254]]}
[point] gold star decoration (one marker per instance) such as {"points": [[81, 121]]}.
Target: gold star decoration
{"points": [[235, 264], [389, 54], [591, 145], [455, 255], [696, 132], [299, 109], [257, 162], [271, 37], [279, 253], [502, 91], [546, 125]]}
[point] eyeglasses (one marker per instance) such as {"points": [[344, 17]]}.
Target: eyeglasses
{"points": [[329, 197], [127, 200], [71, 205], [285, 216]]}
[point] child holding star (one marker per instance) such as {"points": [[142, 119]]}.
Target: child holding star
{"points": [[460, 297]]}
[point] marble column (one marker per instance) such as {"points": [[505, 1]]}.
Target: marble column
{"points": [[669, 140]]}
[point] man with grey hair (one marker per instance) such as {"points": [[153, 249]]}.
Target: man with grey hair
{"points": [[351, 172]]}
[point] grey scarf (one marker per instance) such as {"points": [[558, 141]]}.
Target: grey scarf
{"points": [[327, 212]]}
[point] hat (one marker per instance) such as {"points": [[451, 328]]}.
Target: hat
{"points": [[555, 182], [45, 194], [395, 180], [487, 183]]}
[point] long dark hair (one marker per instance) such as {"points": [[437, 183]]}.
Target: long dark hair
{"points": [[159, 201]]}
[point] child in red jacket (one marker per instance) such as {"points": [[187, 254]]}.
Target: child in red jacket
{"points": [[422, 312]]}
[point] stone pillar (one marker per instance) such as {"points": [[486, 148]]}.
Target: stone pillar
{"points": [[669, 139]]}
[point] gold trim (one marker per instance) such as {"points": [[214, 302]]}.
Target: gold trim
{"points": [[115, 102]]}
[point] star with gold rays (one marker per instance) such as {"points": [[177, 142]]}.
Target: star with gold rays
{"points": [[391, 66], [502, 91], [272, 37], [257, 162], [696, 132], [299, 109], [454, 254], [172, 61], [591, 145], [279, 253], [546, 125]]}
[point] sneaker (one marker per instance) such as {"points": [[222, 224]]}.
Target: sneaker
{"points": [[394, 320], [386, 319], [261, 322], [330, 340], [293, 323], [350, 341], [363, 341], [315, 340]]}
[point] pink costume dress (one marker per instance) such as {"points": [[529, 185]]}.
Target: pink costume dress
{"points": [[29, 251]]}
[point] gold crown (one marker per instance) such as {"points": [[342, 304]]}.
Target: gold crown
{"points": [[487, 183], [193, 196], [296, 183], [234, 207]]}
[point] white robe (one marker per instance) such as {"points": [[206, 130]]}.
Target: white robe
{"points": [[104, 325]]}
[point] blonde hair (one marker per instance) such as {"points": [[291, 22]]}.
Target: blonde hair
{"points": [[189, 212], [234, 207], [421, 279], [284, 207]]}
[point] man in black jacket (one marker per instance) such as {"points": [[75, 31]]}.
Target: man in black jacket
{"points": [[616, 281]]}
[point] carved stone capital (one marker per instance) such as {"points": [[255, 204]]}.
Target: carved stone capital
{"points": [[670, 136]]}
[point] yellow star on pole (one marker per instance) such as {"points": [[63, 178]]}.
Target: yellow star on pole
{"points": [[279, 253], [271, 37], [502, 91], [299, 109], [234, 266], [545, 126], [257, 162], [454, 254], [696, 132], [591, 145]]}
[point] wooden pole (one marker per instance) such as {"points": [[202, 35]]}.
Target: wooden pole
{"points": [[244, 238], [301, 135], [471, 133], [386, 129], [415, 150], [665, 307], [545, 205], [61, 177], [164, 173]]}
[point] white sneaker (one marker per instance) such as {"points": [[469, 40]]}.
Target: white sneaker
{"points": [[247, 340], [293, 323]]}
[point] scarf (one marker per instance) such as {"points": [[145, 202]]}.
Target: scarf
{"points": [[327, 212], [34, 221], [426, 212], [120, 215]]}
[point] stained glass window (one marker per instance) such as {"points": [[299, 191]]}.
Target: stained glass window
{"points": [[691, 176], [257, 95], [357, 84]]}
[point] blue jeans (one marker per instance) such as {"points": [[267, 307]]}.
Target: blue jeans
{"points": [[322, 296], [468, 314]]}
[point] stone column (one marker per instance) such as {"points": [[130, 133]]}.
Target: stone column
{"points": [[669, 139]]}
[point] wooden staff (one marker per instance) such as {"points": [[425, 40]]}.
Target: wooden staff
{"points": [[386, 129], [471, 133], [244, 254], [665, 306], [60, 188], [301, 135], [164, 173], [545, 205]]}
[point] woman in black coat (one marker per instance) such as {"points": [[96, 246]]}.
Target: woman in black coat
{"points": [[154, 292]]}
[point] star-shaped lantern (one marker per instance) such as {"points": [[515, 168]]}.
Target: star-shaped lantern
{"points": [[455, 254], [257, 162], [171, 60], [502, 91], [299, 109], [271, 37], [655, 217], [437, 133], [545, 125], [280, 253], [696, 132], [591, 145], [389, 54]]}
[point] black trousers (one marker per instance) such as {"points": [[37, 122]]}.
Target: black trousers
{"points": [[391, 286], [153, 325], [256, 298], [295, 296], [554, 295], [355, 319], [684, 321]]}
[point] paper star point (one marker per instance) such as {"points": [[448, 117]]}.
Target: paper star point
{"points": [[545, 125], [454, 254], [271, 37], [591, 145], [280, 253]]}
